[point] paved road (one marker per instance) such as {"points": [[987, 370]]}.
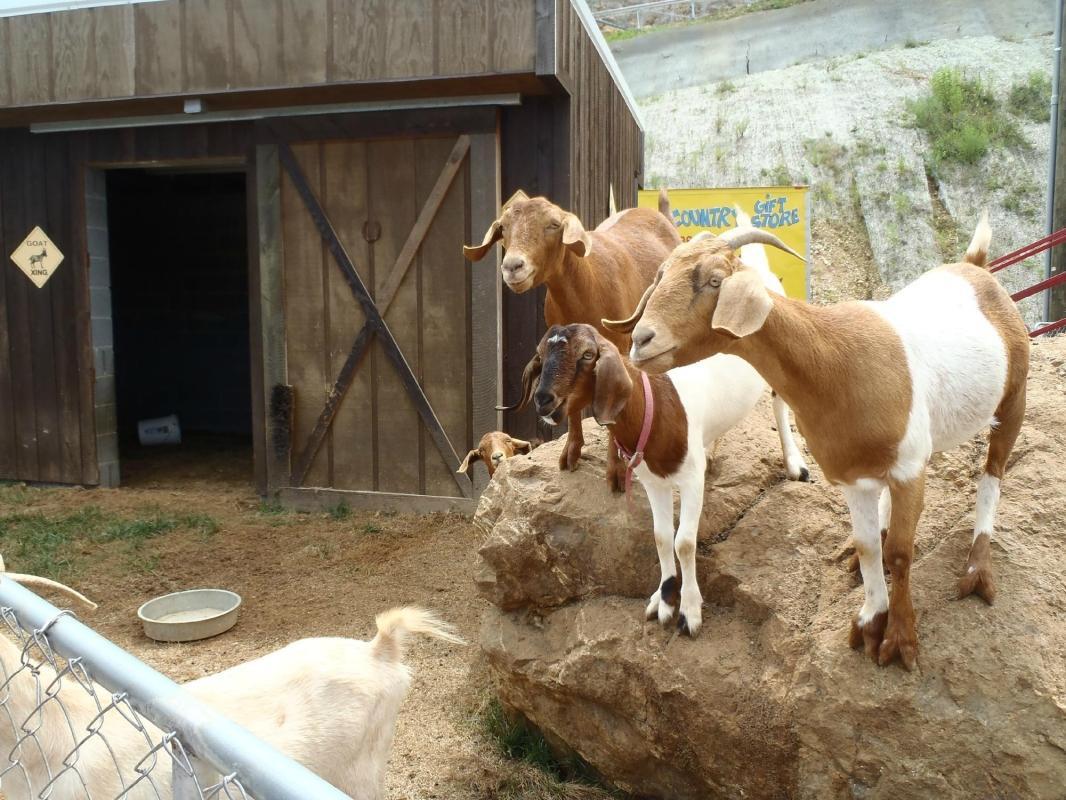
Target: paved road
{"points": [[705, 53]]}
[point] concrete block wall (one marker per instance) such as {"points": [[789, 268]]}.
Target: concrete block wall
{"points": [[102, 328]]}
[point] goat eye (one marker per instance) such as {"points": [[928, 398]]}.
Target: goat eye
{"points": [[553, 226], [588, 356]]}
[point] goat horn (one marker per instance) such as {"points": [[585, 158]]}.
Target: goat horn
{"points": [[738, 237], [34, 580], [628, 324]]}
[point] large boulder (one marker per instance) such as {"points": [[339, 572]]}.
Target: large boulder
{"points": [[769, 701]]}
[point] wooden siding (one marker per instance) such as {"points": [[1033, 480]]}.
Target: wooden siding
{"points": [[129, 51], [377, 441], [570, 148], [607, 145], [47, 425]]}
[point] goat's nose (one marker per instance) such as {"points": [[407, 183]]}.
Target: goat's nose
{"points": [[642, 336], [513, 263], [543, 399], [497, 456]]}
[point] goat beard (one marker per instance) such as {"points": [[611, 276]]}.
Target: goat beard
{"points": [[555, 417]]}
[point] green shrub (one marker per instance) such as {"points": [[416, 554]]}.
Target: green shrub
{"points": [[1031, 98], [963, 119]]}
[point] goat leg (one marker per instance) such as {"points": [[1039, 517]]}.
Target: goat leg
{"points": [[575, 440], [616, 469]]}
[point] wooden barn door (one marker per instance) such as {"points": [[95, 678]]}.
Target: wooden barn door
{"points": [[390, 369]]}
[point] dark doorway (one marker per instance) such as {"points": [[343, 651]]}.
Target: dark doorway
{"points": [[179, 291]]}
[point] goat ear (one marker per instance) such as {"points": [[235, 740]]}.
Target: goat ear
{"points": [[743, 304], [613, 385], [493, 235], [465, 466], [575, 237], [530, 378], [521, 445]]}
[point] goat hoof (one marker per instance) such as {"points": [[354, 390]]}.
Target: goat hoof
{"points": [[652, 610], [805, 475], [901, 639], [685, 628], [665, 613], [870, 635], [979, 581]]}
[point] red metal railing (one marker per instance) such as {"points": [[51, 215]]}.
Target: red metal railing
{"points": [[1022, 253]]}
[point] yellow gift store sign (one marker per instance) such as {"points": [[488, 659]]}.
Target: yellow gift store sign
{"points": [[782, 210]]}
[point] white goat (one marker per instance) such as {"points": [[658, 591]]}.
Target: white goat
{"points": [[877, 387], [329, 704], [693, 406]]}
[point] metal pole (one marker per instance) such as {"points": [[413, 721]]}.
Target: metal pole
{"points": [[1055, 261], [264, 772]]}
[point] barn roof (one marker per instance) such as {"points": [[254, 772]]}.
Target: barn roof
{"points": [[116, 61]]}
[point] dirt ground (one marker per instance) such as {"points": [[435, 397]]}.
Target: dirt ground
{"points": [[299, 575]]}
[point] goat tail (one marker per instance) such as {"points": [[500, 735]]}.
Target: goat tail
{"points": [[394, 625], [664, 205], [977, 252], [45, 583]]}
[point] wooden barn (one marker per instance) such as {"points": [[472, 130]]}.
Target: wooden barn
{"points": [[249, 214]]}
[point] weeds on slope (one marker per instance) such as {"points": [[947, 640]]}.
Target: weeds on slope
{"points": [[962, 118]]}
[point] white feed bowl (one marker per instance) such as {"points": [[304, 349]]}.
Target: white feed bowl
{"points": [[190, 615]]}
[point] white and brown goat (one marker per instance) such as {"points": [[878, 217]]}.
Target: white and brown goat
{"points": [[494, 448], [576, 367], [877, 388], [589, 274]]}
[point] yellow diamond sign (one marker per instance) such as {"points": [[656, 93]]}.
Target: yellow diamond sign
{"points": [[38, 257]]}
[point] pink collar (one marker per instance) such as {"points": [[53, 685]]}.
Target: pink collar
{"points": [[634, 460]]}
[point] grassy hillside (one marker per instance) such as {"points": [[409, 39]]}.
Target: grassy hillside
{"points": [[902, 148]]}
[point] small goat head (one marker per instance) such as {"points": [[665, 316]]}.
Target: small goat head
{"points": [[493, 449], [536, 236], [575, 366], [702, 279]]}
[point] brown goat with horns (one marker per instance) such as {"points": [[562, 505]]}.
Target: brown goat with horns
{"points": [[590, 275]]}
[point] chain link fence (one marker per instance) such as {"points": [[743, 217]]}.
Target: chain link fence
{"points": [[82, 719]]}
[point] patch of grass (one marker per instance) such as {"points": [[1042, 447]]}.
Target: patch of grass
{"points": [[724, 88], [963, 119], [569, 777], [864, 148], [777, 175], [371, 527], [1024, 199], [901, 203], [1031, 98], [340, 512], [14, 494], [741, 128], [47, 545], [826, 154], [910, 44], [823, 193], [272, 507]]}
